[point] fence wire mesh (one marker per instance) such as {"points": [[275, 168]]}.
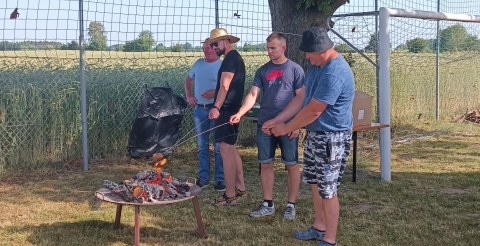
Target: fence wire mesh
{"points": [[131, 44], [413, 64], [413, 57]]}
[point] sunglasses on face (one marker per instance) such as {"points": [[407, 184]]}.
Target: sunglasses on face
{"points": [[214, 44]]}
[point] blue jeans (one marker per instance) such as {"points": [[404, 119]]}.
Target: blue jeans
{"points": [[202, 124], [267, 144]]}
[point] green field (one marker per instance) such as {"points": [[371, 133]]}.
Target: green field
{"points": [[39, 97]]}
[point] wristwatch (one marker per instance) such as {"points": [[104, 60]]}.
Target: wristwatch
{"points": [[216, 108]]}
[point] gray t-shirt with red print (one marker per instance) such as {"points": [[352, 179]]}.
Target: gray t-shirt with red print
{"points": [[278, 83]]}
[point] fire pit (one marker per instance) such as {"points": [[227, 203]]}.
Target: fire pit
{"points": [[151, 188]]}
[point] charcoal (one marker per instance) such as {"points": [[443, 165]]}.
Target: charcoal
{"points": [[156, 187]]}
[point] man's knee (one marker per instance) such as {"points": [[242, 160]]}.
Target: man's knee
{"points": [[266, 166], [226, 148], [293, 168]]}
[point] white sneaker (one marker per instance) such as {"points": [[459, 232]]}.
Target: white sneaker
{"points": [[290, 212], [263, 210]]}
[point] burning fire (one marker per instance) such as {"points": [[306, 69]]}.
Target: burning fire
{"points": [[150, 185], [158, 162]]}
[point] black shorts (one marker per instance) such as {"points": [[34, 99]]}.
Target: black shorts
{"points": [[224, 131]]}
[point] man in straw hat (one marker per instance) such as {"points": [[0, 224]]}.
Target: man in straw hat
{"points": [[280, 80], [327, 114], [228, 100], [204, 74]]}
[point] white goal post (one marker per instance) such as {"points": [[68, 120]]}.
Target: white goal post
{"points": [[384, 71]]}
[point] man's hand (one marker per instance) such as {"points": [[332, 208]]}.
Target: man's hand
{"points": [[192, 101], [235, 119], [268, 125], [209, 94], [213, 114], [279, 130], [294, 134]]}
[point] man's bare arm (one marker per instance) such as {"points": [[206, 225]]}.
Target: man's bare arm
{"points": [[249, 100], [293, 107], [225, 81], [307, 115], [188, 86]]}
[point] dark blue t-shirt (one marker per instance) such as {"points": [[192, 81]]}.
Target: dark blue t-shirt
{"points": [[334, 85], [278, 83]]}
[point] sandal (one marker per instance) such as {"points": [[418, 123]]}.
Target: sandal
{"points": [[240, 193], [224, 201]]}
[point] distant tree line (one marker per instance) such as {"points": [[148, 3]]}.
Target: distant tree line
{"points": [[30, 45], [452, 39], [97, 40]]}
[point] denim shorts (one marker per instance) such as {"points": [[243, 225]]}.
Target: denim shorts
{"points": [[325, 157], [267, 144]]}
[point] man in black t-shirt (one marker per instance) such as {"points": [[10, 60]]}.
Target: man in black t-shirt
{"points": [[228, 100]]}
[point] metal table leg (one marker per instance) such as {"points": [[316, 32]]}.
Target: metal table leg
{"points": [[118, 215], [137, 225], [198, 215], [354, 172]]}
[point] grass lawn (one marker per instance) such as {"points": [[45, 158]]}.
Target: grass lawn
{"points": [[433, 199]]}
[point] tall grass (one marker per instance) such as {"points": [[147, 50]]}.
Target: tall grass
{"points": [[42, 120], [41, 98], [413, 81]]}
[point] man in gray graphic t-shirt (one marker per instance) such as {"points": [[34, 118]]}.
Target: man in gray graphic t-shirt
{"points": [[280, 80]]}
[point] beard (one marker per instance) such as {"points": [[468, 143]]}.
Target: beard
{"points": [[220, 52]]}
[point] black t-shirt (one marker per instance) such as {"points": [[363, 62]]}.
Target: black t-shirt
{"points": [[233, 63]]}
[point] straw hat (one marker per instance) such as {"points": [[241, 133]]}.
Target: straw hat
{"points": [[221, 33]]}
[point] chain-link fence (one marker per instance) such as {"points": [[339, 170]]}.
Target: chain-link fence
{"points": [[130, 44], [433, 63]]}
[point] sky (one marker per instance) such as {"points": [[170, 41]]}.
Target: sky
{"points": [[180, 21]]}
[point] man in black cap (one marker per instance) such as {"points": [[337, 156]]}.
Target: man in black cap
{"points": [[326, 113]]}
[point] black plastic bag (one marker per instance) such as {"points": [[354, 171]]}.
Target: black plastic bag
{"points": [[156, 127]]}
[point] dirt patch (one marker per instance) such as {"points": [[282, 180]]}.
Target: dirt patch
{"points": [[476, 216], [362, 174], [406, 157], [366, 207], [454, 191]]}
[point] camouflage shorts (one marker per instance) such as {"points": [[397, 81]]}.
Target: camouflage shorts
{"points": [[325, 157]]}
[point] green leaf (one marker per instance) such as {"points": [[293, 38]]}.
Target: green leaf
{"points": [[322, 5]]}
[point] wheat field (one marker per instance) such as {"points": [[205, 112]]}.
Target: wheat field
{"points": [[40, 121]]}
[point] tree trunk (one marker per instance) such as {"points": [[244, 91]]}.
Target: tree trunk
{"points": [[287, 19]]}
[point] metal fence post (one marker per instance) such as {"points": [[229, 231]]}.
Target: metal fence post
{"points": [[384, 89], [437, 69], [83, 89], [377, 74], [217, 21]]}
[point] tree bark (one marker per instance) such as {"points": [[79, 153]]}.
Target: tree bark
{"points": [[287, 19]]}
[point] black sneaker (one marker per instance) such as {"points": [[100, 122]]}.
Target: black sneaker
{"points": [[202, 183], [220, 186]]}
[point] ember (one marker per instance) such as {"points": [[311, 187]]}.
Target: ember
{"points": [[149, 185]]}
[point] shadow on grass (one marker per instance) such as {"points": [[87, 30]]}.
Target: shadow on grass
{"points": [[97, 232]]}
